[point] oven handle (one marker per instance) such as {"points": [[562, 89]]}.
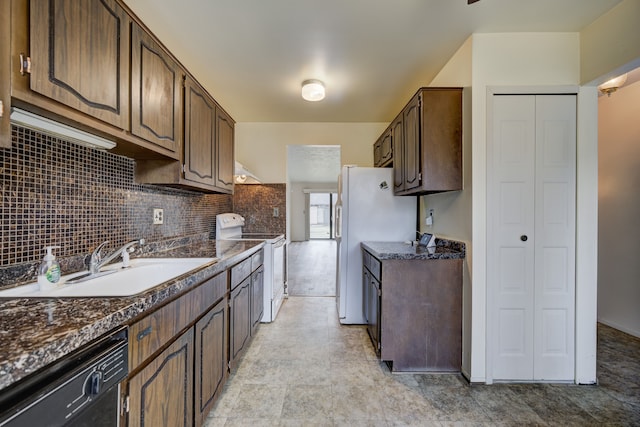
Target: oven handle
{"points": [[338, 221]]}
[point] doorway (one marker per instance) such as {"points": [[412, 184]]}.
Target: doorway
{"points": [[321, 215]]}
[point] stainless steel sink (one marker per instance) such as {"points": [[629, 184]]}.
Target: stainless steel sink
{"points": [[143, 274]]}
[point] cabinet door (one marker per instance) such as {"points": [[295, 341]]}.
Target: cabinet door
{"points": [[377, 153], [411, 134], [156, 92], [373, 313], [257, 298], [397, 141], [240, 320], [386, 148], [366, 278], [211, 364], [80, 56], [5, 73], [161, 394], [199, 134], [224, 150]]}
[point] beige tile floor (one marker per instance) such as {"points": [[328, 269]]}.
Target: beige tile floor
{"points": [[306, 369]]}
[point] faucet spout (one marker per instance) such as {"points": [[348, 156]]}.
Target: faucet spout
{"points": [[97, 262]]}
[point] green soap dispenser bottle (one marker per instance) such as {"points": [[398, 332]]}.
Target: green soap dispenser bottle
{"points": [[49, 270]]}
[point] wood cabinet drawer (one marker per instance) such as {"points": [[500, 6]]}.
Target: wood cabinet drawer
{"points": [[372, 264], [257, 260], [152, 332], [240, 271]]}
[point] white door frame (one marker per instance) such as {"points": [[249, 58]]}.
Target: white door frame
{"points": [[586, 225]]}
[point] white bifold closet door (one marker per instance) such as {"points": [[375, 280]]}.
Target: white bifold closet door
{"points": [[531, 241]]}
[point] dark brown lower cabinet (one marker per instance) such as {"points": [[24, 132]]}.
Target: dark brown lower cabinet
{"points": [[240, 321], [211, 368], [161, 394], [257, 298], [414, 312]]}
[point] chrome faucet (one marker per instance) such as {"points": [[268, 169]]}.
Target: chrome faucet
{"points": [[96, 262]]}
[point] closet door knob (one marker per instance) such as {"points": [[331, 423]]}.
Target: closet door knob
{"points": [[524, 238]]}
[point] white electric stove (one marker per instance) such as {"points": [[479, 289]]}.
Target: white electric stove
{"points": [[229, 227]]}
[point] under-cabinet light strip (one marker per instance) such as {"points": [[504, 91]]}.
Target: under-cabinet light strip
{"points": [[53, 128]]}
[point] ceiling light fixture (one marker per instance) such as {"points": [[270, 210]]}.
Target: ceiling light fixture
{"points": [[313, 90], [612, 85]]}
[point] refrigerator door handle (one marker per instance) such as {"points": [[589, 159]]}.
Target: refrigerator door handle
{"points": [[338, 221]]}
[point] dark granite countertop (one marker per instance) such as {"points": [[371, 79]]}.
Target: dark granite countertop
{"points": [[444, 249], [38, 331]]}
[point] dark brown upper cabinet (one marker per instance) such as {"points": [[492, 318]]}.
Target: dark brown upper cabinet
{"points": [[383, 150], [207, 160], [199, 135], [224, 151], [156, 92], [397, 141], [5, 74], [429, 159], [80, 53]]}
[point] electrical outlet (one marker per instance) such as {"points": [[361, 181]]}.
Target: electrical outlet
{"points": [[158, 216], [276, 212], [429, 218]]}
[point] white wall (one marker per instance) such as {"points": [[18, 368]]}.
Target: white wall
{"points": [[262, 147], [610, 45], [619, 209], [452, 210]]}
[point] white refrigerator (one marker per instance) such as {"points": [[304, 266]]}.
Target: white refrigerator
{"points": [[366, 210]]}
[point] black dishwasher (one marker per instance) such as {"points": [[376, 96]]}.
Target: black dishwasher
{"points": [[81, 389]]}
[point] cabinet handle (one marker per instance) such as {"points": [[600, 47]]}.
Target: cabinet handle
{"points": [[146, 331], [524, 238], [25, 64]]}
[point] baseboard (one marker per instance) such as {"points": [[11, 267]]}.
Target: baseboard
{"points": [[619, 327]]}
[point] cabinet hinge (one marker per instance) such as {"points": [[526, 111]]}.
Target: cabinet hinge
{"points": [[419, 176], [125, 405], [25, 64], [184, 168], [1, 110]]}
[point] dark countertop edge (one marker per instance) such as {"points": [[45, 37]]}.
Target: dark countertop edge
{"points": [[445, 249], [119, 311]]}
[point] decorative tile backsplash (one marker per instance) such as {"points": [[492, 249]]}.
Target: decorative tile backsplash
{"points": [[58, 193], [256, 203]]}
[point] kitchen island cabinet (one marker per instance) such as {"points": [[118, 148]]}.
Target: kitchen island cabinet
{"points": [[413, 305]]}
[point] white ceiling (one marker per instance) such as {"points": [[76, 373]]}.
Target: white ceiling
{"points": [[252, 55]]}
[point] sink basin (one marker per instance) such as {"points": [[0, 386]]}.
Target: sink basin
{"points": [[143, 274]]}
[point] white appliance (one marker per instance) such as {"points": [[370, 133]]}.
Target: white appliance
{"points": [[229, 227], [366, 210]]}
